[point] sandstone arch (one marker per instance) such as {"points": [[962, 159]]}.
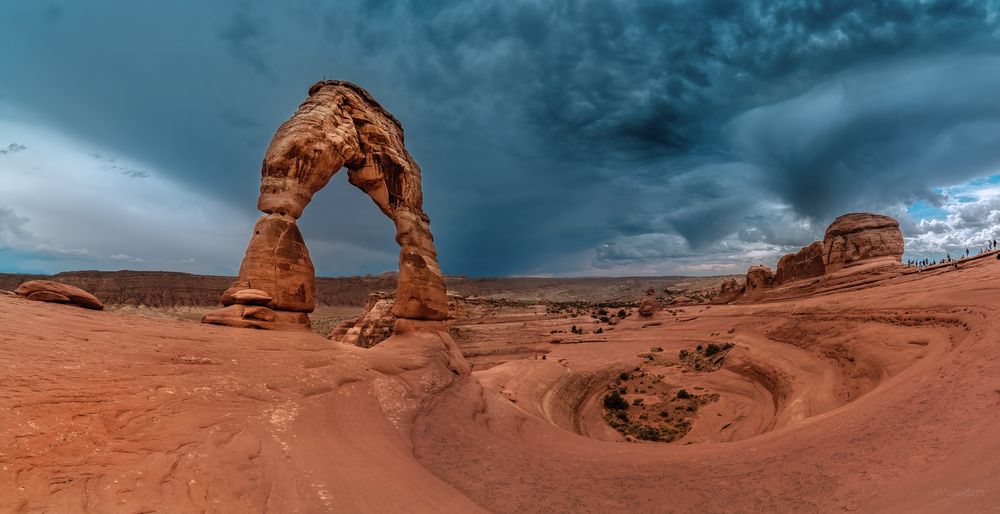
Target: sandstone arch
{"points": [[338, 126]]}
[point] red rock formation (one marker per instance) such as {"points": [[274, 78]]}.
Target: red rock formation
{"points": [[57, 292], [851, 239], [856, 237], [758, 277], [339, 125], [649, 305], [729, 291], [806, 263]]}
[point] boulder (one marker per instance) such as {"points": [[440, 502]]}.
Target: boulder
{"points": [[857, 237], [372, 327], [57, 292]]}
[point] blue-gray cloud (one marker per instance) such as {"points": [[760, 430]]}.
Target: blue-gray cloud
{"points": [[547, 132]]}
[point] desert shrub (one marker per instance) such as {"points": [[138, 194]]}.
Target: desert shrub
{"points": [[656, 349], [712, 349], [622, 390], [648, 434], [599, 330], [624, 375], [683, 354], [637, 401], [683, 394], [622, 415], [622, 314], [602, 312], [664, 414], [614, 401]]}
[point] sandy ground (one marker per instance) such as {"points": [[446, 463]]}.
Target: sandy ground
{"points": [[879, 395]]}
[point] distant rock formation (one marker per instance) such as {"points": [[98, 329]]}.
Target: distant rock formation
{"points": [[852, 239], [729, 291], [57, 292], [372, 327], [377, 322], [339, 125], [649, 305], [806, 263], [859, 237], [758, 277]]}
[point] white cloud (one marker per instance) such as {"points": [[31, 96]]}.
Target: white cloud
{"points": [[63, 208]]}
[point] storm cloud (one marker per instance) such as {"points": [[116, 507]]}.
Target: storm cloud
{"points": [[555, 138]]}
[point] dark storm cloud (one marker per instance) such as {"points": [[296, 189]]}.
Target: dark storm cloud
{"points": [[13, 147], [545, 130]]}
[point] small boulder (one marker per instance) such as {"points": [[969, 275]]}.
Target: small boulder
{"points": [[57, 292]]}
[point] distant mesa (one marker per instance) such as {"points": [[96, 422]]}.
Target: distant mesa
{"points": [[339, 126], [851, 240], [57, 292]]}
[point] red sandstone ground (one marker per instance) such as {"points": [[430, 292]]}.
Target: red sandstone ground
{"points": [[876, 391]]}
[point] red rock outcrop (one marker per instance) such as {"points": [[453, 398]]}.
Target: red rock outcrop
{"points": [[339, 125], [729, 291], [649, 305], [856, 237], [758, 277], [851, 239], [806, 263], [57, 292]]}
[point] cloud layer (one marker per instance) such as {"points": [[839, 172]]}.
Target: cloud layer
{"points": [[556, 138]]}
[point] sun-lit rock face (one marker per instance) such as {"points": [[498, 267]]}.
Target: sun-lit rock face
{"points": [[339, 125], [857, 237]]}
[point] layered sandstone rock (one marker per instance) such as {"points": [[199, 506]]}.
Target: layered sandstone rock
{"points": [[851, 239], [758, 277], [806, 263], [339, 125], [373, 327], [378, 322], [857, 237], [57, 292]]}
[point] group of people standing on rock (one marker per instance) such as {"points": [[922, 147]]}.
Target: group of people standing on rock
{"points": [[991, 245]]}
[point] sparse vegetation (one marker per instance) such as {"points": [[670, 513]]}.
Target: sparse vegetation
{"points": [[614, 401]]}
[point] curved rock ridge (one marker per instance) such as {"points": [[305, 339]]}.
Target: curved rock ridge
{"points": [[338, 126], [57, 292]]}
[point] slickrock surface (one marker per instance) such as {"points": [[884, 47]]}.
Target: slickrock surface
{"points": [[880, 394]]}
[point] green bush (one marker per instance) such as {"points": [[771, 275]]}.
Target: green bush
{"points": [[683, 394], [614, 401]]}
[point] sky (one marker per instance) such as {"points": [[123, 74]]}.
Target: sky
{"points": [[556, 138]]}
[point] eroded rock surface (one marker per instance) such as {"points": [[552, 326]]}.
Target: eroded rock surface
{"points": [[57, 292], [857, 237], [806, 263], [339, 125], [758, 277]]}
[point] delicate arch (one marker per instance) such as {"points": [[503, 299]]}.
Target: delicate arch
{"points": [[339, 126]]}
